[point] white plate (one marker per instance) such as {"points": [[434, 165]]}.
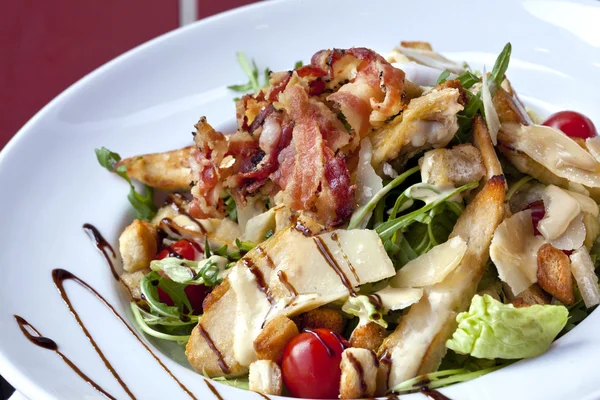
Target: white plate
{"points": [[148, 100]]}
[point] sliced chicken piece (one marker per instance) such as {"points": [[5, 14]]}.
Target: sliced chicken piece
{"points": [[278, 278], [428, 122], [452, 167], [169, 170], [417, 346]]}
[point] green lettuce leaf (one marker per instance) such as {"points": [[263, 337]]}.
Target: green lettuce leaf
{"points": [[490, 329]]}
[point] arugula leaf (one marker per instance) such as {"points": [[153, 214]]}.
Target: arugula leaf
{"points": [[387, 229], [148, 287], [440, 379], [468, 79], [298, 64], [142, 203], [142, 323], [443, 77], [251, 71], [365, 210], [501, 65], [465, 117], [231, 208]]}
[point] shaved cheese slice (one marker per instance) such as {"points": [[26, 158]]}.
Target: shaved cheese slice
{"points": [[429, 58], [561, 208], [555, 151], [573, 237], [398, 298], [368, 183], [433, 266], [587, 204], [582, 268], [514, 251], [593, 146], [491, 116]]}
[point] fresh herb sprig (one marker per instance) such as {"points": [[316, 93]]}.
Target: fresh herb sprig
{"points": [[251, 70], [142, 203]]}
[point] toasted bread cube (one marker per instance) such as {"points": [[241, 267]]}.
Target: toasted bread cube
{"points": [[138, 245], [531, 296], [359, 373], [368, 336], [554, 273], [132, 280], [265, 377], [323, 318], [271, 341]]}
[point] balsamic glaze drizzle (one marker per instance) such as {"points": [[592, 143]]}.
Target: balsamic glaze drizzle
{"points": [[213, 389], [49, 344], [330, 259], [220, 360], [59, 276], [102, 246], [433, 394], [176, 201]]}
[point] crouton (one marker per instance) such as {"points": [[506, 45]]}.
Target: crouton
{"points": [[323, 318], [508, 108], [359, 373], [271, 341], [531, 296], [554, 273], [457, 166], [368, 336], [169, 170], [138, 245], [483, 142], [131, 280], [265, 377]]}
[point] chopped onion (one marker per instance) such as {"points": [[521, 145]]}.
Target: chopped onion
{"points": [[491, 116], [583, 272], [433, 266]]}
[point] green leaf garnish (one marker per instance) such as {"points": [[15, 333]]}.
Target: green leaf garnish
{"points": [[366, 210], [468, 79], [501, 65], [142, 203], [298, 64], [387, 229], [443, 77]]}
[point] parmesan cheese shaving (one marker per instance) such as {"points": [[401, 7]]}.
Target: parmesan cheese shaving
{"points": [[433, 266], [514, 251], [561, 208]]}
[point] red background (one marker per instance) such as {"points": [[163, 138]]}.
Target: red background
{"points": [[45, 46]]}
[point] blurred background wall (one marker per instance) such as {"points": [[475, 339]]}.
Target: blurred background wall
{"points": [[46, 45]]}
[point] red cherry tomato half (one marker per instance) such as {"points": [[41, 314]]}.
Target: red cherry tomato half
{"points": [[537, 213], [572, 124], [182, 247], [310, 366]]}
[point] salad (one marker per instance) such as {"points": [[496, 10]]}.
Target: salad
{"points": [[375, 225]]}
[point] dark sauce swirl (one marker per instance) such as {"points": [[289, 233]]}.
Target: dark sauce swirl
{"points": [[103, 247], [49, 344]]}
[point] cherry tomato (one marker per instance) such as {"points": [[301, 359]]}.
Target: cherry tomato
{"points": [[310, 366], [572, 124], [182, 247], [537, 213]]}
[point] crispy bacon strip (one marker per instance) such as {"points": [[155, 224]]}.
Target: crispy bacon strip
{"points": [[205, 159]]}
